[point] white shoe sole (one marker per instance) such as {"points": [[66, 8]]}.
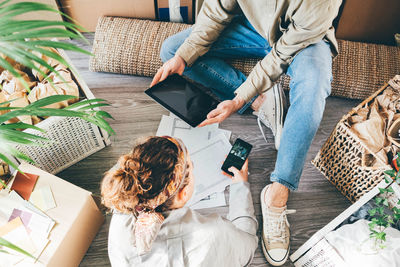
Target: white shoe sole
{"points": [[279, 103], [270, 260], [279, 113], [266, 255]]}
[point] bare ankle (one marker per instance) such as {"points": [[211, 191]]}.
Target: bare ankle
{"points": [[258, 102], [277, 195]]}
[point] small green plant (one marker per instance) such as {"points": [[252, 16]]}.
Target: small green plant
{"points": [[380, 219]]}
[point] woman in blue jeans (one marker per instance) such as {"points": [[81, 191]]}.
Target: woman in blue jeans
{"points": [[295, 37]]}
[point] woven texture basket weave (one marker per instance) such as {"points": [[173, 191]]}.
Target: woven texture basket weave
{"points": [[73, 139], [340, 159], [132, 46]]}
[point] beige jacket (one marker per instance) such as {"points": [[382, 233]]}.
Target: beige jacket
{"points": [[288, 25]]}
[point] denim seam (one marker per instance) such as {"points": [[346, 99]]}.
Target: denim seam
{"points": [[283, 182], [247, 105], [217, 74], [230, 47]]}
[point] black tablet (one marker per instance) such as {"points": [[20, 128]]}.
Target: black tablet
{"points": [[184, 99]]}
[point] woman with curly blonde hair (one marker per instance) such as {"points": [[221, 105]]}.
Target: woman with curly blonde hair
{"points": [[147, 191]]}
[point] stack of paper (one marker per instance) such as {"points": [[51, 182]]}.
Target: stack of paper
{"points": [[24, 223], [208, 147]]}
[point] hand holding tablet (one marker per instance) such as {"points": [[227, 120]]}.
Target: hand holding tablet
{"points": [[184, 99]]}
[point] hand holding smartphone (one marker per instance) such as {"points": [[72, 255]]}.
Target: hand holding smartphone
{"points": [[237, 156]]}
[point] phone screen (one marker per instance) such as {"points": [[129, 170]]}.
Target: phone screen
{"points": [[237, 155]]}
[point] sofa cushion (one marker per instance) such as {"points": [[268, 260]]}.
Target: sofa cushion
{"points": [[132, 46]]}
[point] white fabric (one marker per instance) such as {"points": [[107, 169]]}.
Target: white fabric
{"points": [[351, 239], [188, 238], [175, 10]]}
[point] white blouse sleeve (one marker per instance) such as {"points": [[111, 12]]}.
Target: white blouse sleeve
{"points": [[241, 209]]}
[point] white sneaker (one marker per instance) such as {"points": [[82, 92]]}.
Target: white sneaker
{"points": [[275, 234], [272, 112]]}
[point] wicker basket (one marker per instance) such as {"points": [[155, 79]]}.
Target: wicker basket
{"points": [[340, 159], [73, 138]]}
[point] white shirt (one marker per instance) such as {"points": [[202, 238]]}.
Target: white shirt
{"points": [[352, 242], [188, 238]]}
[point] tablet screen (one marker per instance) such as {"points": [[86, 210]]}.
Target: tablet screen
{"points": [[184, 99]]}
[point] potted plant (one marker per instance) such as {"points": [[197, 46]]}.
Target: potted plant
{"points": [[20, 42], [385, 213]]}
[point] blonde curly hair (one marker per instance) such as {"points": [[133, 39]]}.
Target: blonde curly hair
{"points": [[143, 174]]}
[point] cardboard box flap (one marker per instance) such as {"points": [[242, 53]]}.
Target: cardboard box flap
{"points": [[77, 217]]}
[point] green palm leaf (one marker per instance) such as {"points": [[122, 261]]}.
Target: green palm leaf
{"points": [[16, 37], [5, 243], [20, 40]]}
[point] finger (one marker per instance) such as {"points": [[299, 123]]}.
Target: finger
{"points": [[245, 166], [203, 123], [226, 174], [213, 113], [233, 170], [156, 78], [164, 75], [207, 122]]}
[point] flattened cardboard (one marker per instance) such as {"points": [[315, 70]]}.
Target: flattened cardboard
{"points": [[370, 21], [87, 12], [186, 10], [78, 219], [41, 15]]}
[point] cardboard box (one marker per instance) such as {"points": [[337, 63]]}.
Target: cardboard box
{"points": [[371, 21], [78, 219], [87, 12], [166, 12], [41, 15]]}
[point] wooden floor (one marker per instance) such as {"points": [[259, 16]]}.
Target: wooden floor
{"points": [[316, 201]]}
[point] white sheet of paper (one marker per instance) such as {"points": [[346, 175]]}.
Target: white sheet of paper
{"points": [[43, 198], [7, 206], [40, 243], [40, 222], [193, 138], [221, 131], [15, 232], [207, 172], [216, 199]]}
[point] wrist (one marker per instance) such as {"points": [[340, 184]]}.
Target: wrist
{"points": [[180, 60], [238, 101]]}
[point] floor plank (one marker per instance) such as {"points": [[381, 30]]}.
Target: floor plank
{"points": [[316, 201]]}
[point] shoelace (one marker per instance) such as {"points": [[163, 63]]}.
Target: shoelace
{"points": [[276, 225], [260, 116]]}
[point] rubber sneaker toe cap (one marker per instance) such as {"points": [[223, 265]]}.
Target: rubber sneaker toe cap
{"points": [[277, 257]]}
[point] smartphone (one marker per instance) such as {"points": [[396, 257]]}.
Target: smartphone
{"points": [[237, 156]]}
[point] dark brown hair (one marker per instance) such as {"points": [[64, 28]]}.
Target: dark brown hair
{"points": [[143, 174]]}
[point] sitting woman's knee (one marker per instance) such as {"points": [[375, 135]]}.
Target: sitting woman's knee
{"points": [[168, 48], [172, 43]]}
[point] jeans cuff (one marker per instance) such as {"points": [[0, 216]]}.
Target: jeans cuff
{"points": [[247, 105], [283, 182]]}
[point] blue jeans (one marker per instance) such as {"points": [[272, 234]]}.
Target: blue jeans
{"points": [[310, 85]]}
